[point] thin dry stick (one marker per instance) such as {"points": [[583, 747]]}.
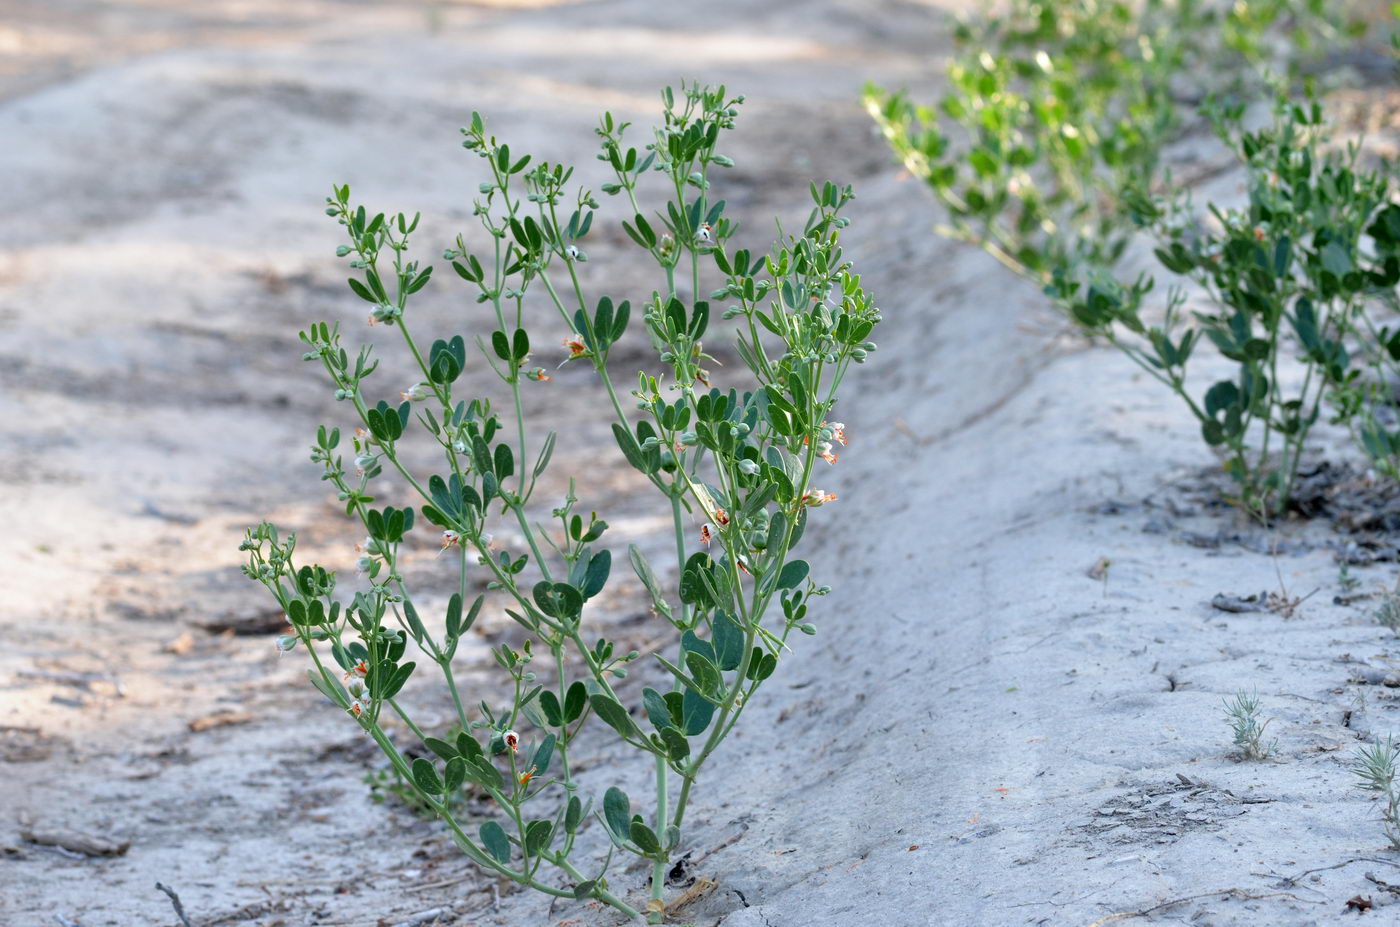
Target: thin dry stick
{"points": [[175, 900], [443, 884], [1237, 893], [1293, 880]]}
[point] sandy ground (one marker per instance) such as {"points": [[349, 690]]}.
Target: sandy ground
{"points": [[981, 733]]}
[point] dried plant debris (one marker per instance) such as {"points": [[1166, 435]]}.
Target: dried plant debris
{"points": [[1164, 812], [27, 744], [72, 841], [1239, 604], [1362, 508]]}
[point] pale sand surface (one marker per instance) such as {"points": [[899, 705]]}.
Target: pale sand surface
{"points": [[980, 734]]}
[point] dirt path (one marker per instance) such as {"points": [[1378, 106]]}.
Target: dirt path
{"points": [[981, 734]]}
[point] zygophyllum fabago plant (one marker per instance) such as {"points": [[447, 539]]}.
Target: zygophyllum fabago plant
{"points": [[1289, 279], [734, 467], [1055, 108], [1051, 109]]}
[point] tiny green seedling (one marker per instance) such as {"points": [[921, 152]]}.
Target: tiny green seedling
{"points": [[1374, 767], [1387, 613], [1347, 583], [1242, 712]]}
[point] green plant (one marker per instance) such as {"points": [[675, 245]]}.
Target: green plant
{"points": [[1365, 397], [385, 783], [1055, 108], [1387, 613], [740, 464], [1042, 153], [1347, 582], [1374, 768], [1286, 285], [1242, 712]]}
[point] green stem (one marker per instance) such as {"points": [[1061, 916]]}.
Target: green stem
{"points": [[658, 868], [407, 720], [678, 521], [446, 665]]}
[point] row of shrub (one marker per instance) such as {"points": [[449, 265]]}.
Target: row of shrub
{"points": [[1048, 151]]}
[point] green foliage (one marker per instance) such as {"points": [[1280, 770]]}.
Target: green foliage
{"points": [[1242, 713], [735, 469], [1051, 110], [1374, 768], [1043, 152], [1054, 109], [1292, 280]]}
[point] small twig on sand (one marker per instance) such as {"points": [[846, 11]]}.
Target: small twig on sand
{"points": [[1236, 893], [1293, 880], [65, 922], [70, 843], [700, 888], [728, 841], [80, 680], [175, 900], [426, 917], [443, 884]]}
